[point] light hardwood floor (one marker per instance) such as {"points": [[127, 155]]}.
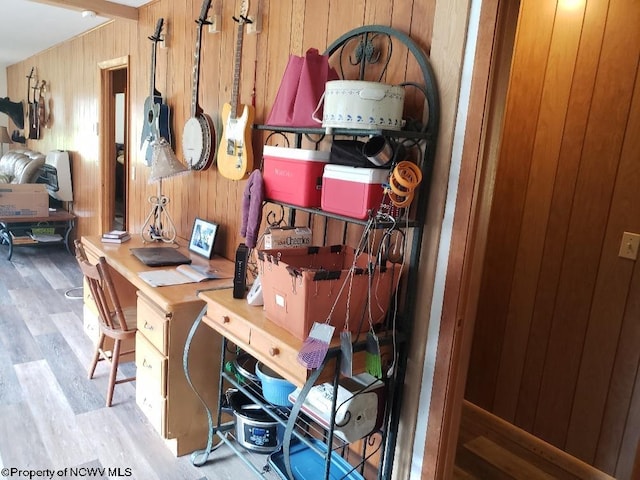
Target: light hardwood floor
{"points": [[51, 415]]}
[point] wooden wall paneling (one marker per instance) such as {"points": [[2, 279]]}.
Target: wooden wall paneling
{"points": [[172, 66], [420, 24], [636, 465], [564, 188], [258, 93], [533, 39], [185, 14], [549, 129], [137, 204], [315, 13], [261, 81], [179, 64], [627, 354], [401, 18], [613, 281], [342, 19], [216, 64], [213, 200], [183, 31], [590, 212], [379, 12], [276, 54], [296, 31], [630, 441], [615, 273], [139, 72]]}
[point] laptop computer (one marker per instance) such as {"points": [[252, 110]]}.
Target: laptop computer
{"points": [[160, 256]]}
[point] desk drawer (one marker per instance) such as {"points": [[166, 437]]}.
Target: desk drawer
{"points": [[90, 323], [153, 406], [281, 357], [153, 323], [86, 294], [151, 367], [235, 327]]}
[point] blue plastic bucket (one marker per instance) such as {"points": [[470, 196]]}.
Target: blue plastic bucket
{"points": [[275, 389]]}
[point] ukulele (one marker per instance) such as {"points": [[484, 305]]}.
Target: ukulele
{"points": [[34, 130], [235, 155], [156, 119], [198, 133]]}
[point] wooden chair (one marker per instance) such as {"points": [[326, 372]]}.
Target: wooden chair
{"points": [[115, 322]]}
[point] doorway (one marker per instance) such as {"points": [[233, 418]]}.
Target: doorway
{"points": [[114, 141]]}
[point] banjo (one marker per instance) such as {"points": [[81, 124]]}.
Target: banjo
{"points": [[198, 134]]}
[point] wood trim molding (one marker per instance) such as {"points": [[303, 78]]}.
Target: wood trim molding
{"points": [[102, 8], [106, 129], [483, 129]]}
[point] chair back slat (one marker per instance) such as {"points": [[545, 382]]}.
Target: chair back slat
{"points": [[103, 290]]}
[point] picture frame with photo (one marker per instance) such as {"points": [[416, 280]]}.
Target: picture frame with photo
{"points": [[203, 237]]}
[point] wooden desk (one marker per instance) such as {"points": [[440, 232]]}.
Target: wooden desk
{"points": [[59, 220], [248, 328], [165, 316]]}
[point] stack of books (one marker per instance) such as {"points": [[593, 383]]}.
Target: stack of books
{"points": [[116, 236]]}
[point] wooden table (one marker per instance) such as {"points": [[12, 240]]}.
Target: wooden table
{"points": [[11, 227]]}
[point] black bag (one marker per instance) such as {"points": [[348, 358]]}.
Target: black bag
{"points": [[349, 152]]}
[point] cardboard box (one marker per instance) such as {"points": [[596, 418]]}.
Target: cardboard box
{"points": [[353, 191], [24, 200], [287, 237], [294, 175], [301, 286]]}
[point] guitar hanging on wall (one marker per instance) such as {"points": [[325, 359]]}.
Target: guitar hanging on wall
{"points": [[42, 107], [198, 135], [34, 128], [157, 113], [235, 155]]}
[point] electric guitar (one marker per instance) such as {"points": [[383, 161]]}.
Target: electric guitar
{"points": [[157, 113], [235, 155], [198, 135]]}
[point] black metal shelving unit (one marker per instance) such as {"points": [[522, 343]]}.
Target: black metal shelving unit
{"points": [[364, 48]]}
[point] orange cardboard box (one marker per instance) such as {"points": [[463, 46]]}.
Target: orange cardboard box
{"points": [[301, 286]]}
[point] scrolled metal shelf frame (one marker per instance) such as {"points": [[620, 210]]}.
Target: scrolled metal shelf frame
{"points": [[360, 48]]}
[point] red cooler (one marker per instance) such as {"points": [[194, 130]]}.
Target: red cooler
{"points": [[353, 191], [294, 175]]}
